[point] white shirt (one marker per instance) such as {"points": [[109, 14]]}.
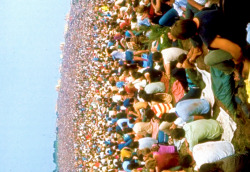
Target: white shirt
{"points": [[201, 2], [212, 151], [172, 54]]}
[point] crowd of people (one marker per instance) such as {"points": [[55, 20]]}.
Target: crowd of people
{"points": [[131, 98]]}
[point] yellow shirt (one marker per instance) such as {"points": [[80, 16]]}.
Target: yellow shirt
{"points": [[126, 153], [105, 8]]}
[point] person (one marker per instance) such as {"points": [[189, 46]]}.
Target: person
{"points": [[146, 142], [223, 75], [155, 87], [161, 162], [143, 128], [177, 11], [208, 24], [196, 131], [236, 162], [209, 152], [193, 7], [152, 75], [189, 110], [169, 57], [194, 78]]}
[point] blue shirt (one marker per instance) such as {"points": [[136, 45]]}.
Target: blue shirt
{"points": [[120, 121], [125, 166], [126, 102], [120, 84]]}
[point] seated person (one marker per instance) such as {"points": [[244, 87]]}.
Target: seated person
{"points": [[170, 58], [152, 75], [178, 9], [155, 98], [190, 110], [232, 163], [158, 110], [143, 128], [209, 152], [146, 142], [196, 131], [194, 78], [155, 87], [161, 162], [208, 24]]}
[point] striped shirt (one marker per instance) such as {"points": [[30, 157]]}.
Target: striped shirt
{"points": [[161, 108]]}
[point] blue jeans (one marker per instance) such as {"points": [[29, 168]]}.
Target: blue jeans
{"points": [[193, 93], [169, 18]]}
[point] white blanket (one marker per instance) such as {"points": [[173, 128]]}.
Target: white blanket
{"points": [[228, 125]]}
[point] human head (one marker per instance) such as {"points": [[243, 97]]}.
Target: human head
{"points": [[131, 120], [178, 133], [181, 60], [132, 165], [186, 161], [184, 29], [210, 167], [169, 117], [145, 96], [150, 163], [149, 114], [134, 145], [127, 130], [124, 124], [157, 56]]}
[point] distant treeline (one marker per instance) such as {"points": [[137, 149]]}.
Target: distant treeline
{"points": [[55, 154]]}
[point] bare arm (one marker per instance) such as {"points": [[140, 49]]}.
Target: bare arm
{"points": [[157, 5], [167, 69], [121, 42], [226, 45], [131, 33], [198, 117], [140, 52], [195, 4], [147, 76]]}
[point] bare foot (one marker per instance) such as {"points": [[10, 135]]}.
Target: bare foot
{"points": [[236, 75], [246, 69], [187, 64], [190, 53], [196, 53]]}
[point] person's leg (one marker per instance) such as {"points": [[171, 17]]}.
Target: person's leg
{"points": [[189, 11], [223, 88], [221, 60], [169, 18], [193, 93]]}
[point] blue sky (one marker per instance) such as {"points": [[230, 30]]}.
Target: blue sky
{"points": [[30, 35]]}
